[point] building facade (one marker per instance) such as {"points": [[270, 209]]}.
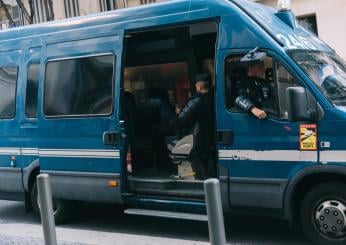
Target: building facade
{"points": [[24, 12], [15, 13], [70, 8], [326, 18]]}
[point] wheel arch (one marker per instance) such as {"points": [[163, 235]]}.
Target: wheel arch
{"points": [[307, 179], [29, 174]]}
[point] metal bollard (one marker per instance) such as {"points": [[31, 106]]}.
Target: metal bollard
{"points": [[214, 210], [46, 209]]}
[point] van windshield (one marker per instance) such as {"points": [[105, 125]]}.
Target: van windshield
{"points": [[328, 72]]}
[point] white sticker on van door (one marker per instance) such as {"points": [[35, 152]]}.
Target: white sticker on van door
{"points": [[293, 41], [274, 155]]}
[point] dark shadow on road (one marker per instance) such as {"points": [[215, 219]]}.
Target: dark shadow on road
{"points": [[240, 229]]}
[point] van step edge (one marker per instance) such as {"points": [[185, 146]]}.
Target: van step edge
{"points": [[166, 214]]}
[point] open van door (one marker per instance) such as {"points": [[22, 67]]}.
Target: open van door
{"points": [[259, 156], [79, 130]]}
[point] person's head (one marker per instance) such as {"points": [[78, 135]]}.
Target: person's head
{"points": [[256, 69], [203, 82]]}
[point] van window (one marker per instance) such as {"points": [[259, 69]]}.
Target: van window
{"points": [[276, 79], [79, 87], [8, 82], [32, 90], [284, 80], [142, 81]]}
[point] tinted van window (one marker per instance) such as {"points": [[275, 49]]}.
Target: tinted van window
{"points": [[31, 91], [8, 82], [81, 86]]}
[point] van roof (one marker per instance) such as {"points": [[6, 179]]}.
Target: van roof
{"points": [[120, 16], [175, 11]]}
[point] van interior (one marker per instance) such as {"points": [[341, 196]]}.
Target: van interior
{"points": [[162, 63]]}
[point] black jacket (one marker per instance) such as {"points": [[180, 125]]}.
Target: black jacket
{"points": [[156, 116], [197, 117], [254, 92]]}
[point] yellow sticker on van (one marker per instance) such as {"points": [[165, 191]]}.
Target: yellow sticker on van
{"points": [[308, 137]]}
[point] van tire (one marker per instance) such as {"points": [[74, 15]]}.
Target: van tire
{"points": [[60, 207], [323, 214]]}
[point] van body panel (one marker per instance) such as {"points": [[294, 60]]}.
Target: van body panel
{"points": [[332, 138], [28, 173], [84, 186], [238, 31], [10, 156], [28, 128], [297, 38], [70, 146], [257, 192]]}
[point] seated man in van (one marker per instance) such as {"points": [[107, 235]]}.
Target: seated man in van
{"points": [[254, 92], [198, 117]]}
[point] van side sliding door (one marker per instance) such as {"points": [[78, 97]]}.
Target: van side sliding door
{"points": [[79, 131]]}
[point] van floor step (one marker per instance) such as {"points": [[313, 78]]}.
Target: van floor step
{"points": [[166, 214], [167, 187], [178, 193]]}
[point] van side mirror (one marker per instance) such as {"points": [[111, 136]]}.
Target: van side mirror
{"points": [[253, 56], [297, 102]]}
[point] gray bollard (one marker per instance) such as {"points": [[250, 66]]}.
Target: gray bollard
{"points": [[214, 210], [46, 209]]}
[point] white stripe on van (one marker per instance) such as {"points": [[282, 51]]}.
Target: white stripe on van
{"points": [[332, 156], [82, 153], [275, 155], [29, 151], [9, 151]]}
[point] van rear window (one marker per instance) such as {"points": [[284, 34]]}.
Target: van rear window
{"points": [[79, 87], [8, 84]]}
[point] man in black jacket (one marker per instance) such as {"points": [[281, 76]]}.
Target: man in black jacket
{"points": [[198, 117], [155, 120], [254, 92]]}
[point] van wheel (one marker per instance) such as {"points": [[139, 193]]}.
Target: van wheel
{"points": [[60, 207], [323, 214]]}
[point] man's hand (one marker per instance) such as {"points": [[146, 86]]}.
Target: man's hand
{"points": [[260, 114]]}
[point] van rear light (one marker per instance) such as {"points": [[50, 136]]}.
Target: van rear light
{"points": [[129, 160]]}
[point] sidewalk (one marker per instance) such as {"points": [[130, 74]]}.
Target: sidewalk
{"points": [[31, 234]]}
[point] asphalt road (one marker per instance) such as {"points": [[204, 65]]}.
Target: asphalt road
{"points": [[106, 224]]}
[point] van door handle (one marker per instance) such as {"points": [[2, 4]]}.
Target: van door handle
{"points": [[225, 137], [110, 138]]}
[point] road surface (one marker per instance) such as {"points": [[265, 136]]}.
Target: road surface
{"points": [[106, 224]]}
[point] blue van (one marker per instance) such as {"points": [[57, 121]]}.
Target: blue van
{"points": [[74, 104]]}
